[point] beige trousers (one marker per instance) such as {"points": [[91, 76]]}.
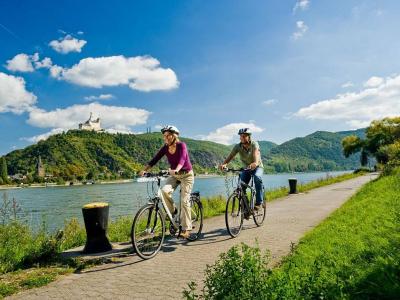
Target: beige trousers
{"points": [[186, 181]]}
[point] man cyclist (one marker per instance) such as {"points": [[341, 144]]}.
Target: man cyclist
{"points": [[249, 152]]}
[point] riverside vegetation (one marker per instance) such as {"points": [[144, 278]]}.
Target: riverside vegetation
{"points": [[353, 254], [31, 259]]}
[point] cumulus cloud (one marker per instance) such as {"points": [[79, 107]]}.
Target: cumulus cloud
{"points": [[44, 136], [141, 73], [100, 97], [20, 63], [374, 81], [379, 99], [27, 63], [67, 44], [269, 102], [347, 84], [112, 117], [228, 133], [13, 95], [301, 30], [301, 4]]}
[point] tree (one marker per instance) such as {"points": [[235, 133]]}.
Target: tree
{"points": [[3, 170], [381, 141]]}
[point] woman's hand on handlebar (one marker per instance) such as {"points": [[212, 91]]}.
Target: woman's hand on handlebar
{"points": [[142, 173], [223, 167]]}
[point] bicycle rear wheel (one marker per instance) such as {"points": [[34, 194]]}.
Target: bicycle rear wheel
{"points": [[234, 215], [259, 216], [148, 231], [197, 218]]}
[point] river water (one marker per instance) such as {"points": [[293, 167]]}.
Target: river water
{"points": [[54, 205]]}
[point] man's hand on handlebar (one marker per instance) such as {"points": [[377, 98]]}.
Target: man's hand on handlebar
{"points": [[252, 166], [223, 167]]}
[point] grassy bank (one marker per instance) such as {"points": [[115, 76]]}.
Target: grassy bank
{"points": [[354, 254], [31, 257]]}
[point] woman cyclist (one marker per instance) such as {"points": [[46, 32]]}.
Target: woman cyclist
{"points": [[181, 171]]}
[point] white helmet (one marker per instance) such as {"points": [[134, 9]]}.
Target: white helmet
{"points": [[170, 128], [244, 131]]}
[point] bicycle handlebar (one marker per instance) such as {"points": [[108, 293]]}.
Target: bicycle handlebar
{"points": [[162, 173], [235, 170]]}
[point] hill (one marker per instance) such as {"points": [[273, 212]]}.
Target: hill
{"points": [[88, 155], [319, 151]]}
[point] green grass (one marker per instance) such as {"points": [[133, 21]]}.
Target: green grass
{"points": [[353, 254]]}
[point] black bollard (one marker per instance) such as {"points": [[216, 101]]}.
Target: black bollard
{"points": [[95, 216], [292, 186]]}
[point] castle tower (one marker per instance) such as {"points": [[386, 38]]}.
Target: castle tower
{"points": [[40, 168]]}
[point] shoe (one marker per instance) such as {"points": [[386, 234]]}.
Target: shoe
{"points": [[184, 234]]}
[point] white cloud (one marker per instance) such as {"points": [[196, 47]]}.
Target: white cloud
{"points": [[229, 133], [45, 63], [20, 63], [67, 44], [347, 84], [374, 81], [44, 136], [301, 4], [13, 95], [100, 97], [359, 109], [301, 30], [269, 102], [112, 117], [141, 73], [27, 63]]}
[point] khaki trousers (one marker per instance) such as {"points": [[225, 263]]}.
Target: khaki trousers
{"points": [[186, 181]]}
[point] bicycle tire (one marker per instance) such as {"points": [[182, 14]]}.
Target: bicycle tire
{"points": [[142, 232], [197, 219], [234, 213], [259, 216]]}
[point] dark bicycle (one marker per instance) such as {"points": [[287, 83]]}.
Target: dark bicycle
{"points": [[148, 228], [239, 206]]}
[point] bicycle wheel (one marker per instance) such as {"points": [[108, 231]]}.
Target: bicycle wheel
{"points": [[148, 231], [197, 219], [234, 215], [259, 216]]}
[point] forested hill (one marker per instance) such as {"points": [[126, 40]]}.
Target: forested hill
{"points": [[84, 154], [321, 150]]}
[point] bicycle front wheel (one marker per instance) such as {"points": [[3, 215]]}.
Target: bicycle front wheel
{"points": [[196, 212], [234, 215], [148, 231]]}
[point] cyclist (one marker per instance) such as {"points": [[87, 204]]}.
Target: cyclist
{"points": [[250, 156], [181, 172]]}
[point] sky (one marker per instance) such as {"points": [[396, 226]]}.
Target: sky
{"points": [[282, 68]]}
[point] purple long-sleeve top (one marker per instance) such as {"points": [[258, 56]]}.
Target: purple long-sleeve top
{"points": [[180, 157]]}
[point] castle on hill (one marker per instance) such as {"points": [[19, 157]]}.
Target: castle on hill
{"points": [[91, 124]]}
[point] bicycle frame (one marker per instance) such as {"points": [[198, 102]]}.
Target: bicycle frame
{"points": [[241, 186], [159, 197]]}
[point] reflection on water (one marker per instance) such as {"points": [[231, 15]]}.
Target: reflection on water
{"points": [[53, 205]]}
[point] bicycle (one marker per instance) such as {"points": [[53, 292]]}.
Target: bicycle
{"points": [[148, 227], [238, 206]]}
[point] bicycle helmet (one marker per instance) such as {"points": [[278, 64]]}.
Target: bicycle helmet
{"points": [[244, 131], [170, 128]]}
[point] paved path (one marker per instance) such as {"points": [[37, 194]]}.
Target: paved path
{"points": [[165, 276]]}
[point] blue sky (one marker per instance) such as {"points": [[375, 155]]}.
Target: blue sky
{"points": [[284, 68]]}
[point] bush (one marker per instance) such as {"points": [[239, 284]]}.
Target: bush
{"points": [[238, 274], [21, 248]]}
